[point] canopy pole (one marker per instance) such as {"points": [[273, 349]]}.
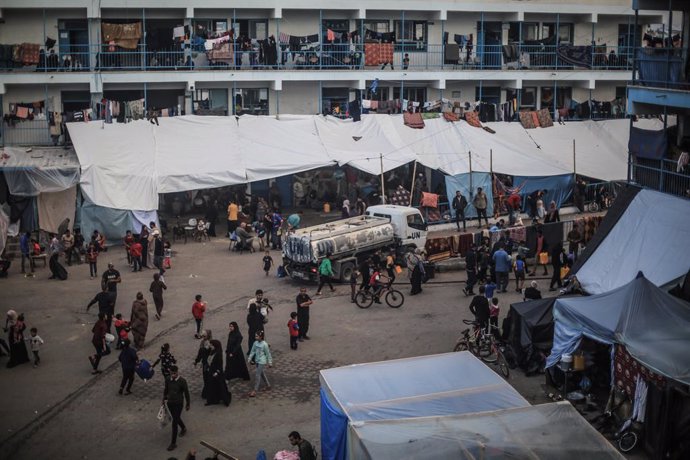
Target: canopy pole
{"points": [[471, 185], [414, 174], [383, 191], [574, 163]]}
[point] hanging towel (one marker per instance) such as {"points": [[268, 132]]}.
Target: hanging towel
{"points": [[330, 35], [413, 120], [178, 32]]}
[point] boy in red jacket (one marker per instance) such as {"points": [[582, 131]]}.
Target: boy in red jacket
{"points": [[198, 310], [135, 251], [293, 327]]}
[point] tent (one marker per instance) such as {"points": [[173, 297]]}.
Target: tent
{"points": [[42, 184], [644, 230], [531, 328], [547, 431], [651, 323], [437, 385]]}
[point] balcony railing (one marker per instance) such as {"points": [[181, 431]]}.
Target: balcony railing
{"points": [[660, 68], [335, 57]]}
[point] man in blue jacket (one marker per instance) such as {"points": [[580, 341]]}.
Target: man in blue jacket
{"points": [[502, 264]]}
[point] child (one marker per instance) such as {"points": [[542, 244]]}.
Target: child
{"points": [[121, 329], [353, 284], [489, 289], [136, 251], [128, 241], [91, 258], [268, 262], [167, 255], [36, 341], [198, 310], [293, 327], [494, 310], [519, 268]]}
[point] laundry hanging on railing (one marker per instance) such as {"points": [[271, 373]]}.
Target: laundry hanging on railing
{"points": [[378, 54], [385, 37], [123, 35], [578, 56]]}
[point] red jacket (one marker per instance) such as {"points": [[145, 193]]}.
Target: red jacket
{"points": [[294, 328], [198, 310], [135, 250]]}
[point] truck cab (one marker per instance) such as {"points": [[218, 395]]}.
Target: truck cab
{"points": [[408, 224]]}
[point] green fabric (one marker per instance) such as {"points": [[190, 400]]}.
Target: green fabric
{"points": [[325, 268], [430, 115]]}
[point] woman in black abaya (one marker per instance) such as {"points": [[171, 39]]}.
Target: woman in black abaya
{"points": [[216, 390], [235, 363]]}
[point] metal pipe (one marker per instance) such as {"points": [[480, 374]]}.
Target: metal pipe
{"points": [[558, 36], [143, 49], [321, 40], [443, 43]]}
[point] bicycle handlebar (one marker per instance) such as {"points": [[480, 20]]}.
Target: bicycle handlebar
{"points": [[470, 322]]}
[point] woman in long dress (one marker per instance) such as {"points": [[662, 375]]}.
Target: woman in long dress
{"points": [[235, 364], [139, 320], [216, 389], [255, 321], [202, 355], [14, 326]]}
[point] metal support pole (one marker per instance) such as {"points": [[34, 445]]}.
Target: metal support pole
{"points": [[146, 100], [574, 163], [669, 49], [279, 60], [555, 98], [635, 45], [443, 43], [234, 97], [383, 190], [143, 48], [277, 102], [480, 42], [414, 175], [321, 97], [520, 44], [471, 182], [404, 40], [558, 36], [45, 61], [594, 48], [321, 40]]}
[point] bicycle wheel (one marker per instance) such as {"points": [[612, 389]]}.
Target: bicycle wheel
{"points": [[503, 365], [394, 298], [363, 299], [627, 441], [461, 346], [488, 354]]}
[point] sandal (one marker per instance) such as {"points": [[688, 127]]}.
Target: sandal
{"points": [[252, 394]]}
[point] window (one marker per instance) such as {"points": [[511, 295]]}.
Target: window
{"points": [[415, 221], [73, 101], [529, 31], [379, 26], [626, 38], [620, 92], [565, 32], [411, 94], [562, 94], [381, 94], [411, 35], [334, 101], [488, 94], [210, 102], [527, 99], [251, 101], [339, 26]]}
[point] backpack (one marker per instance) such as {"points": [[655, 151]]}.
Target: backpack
{"points": [[372, 278]]}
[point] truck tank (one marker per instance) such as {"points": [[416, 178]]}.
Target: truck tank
{"points": [[340, 238]]}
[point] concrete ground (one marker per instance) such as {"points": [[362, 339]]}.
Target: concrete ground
{"points": [[60, 410]]}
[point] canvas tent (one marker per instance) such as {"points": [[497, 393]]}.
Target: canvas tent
{"points": [[651, 323], [531, 328], [645, 230], [445, 384], [547, 431]]}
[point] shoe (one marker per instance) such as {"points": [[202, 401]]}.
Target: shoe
{"points": [[464, 291], [158, 316], [196, 336], [318, 293], [90, 277], [300, 340], [172, 447], [551, 289], [96, 371], [333, 290], [504, 290], [252, 394], [119, 391], [267, 388], [128, 392], [93, 363], [183, 432], [306, 338], [518, 290]]}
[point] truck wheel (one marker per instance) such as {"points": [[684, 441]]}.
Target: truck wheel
{"points": [[346, 271]]}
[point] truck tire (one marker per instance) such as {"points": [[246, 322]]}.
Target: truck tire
{"points": [[346, 270]]}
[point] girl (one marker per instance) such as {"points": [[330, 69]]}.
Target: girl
{"points": [[261, 356], [167, 255], [91, 258], [167, 360], [519, 268], [268, 262]]}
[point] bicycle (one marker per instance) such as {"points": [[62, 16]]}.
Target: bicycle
{"points": [[495, 355], [476, 342], [394, 298]]}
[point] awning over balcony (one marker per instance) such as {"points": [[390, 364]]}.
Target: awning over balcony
{"points": [[126, 166]]}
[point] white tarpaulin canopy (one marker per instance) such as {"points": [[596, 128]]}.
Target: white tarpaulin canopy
{"points": [[547, 431], [125, 166]]}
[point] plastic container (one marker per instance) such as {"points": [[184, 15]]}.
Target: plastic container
{"points": [[566, 362], [579, 362], [327, 208]]}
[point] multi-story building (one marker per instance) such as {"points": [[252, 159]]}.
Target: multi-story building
{"points": [[661, 87], [212, 57]]}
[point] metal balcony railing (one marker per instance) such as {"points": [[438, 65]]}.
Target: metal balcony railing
{"points": [[406, 56], [660, 68]]}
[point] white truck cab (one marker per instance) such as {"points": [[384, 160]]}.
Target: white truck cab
{"points": [[408, 224]]}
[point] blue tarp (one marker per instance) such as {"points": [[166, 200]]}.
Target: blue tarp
{"points": [[558, 188], [113, 223], [659, 67], [638, 315], [462, 182], [645, 143], [334, 427]]}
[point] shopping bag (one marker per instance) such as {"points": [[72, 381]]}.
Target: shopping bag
{"points": [[398, 269], [543, 258], [164, 416], [565, 271]]}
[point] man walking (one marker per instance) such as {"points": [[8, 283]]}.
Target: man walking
{"points": [[471, 269], [105, 305], [459, 205], [480, 203], [175, 394], [25, 247], [111, 278], [68, 246], [502, 264], [233, 211], [574, 239], [303, 304]]}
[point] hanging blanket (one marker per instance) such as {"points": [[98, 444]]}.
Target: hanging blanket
{"points": [[578, 56], [450, 116], [545, 120], [378, 53], [29, 53], [413, 120], [472, 118], [400, 197], [429, 200], [124, 35]]}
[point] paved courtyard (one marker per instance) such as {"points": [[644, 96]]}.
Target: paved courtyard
{"points": [[60, 410]]}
